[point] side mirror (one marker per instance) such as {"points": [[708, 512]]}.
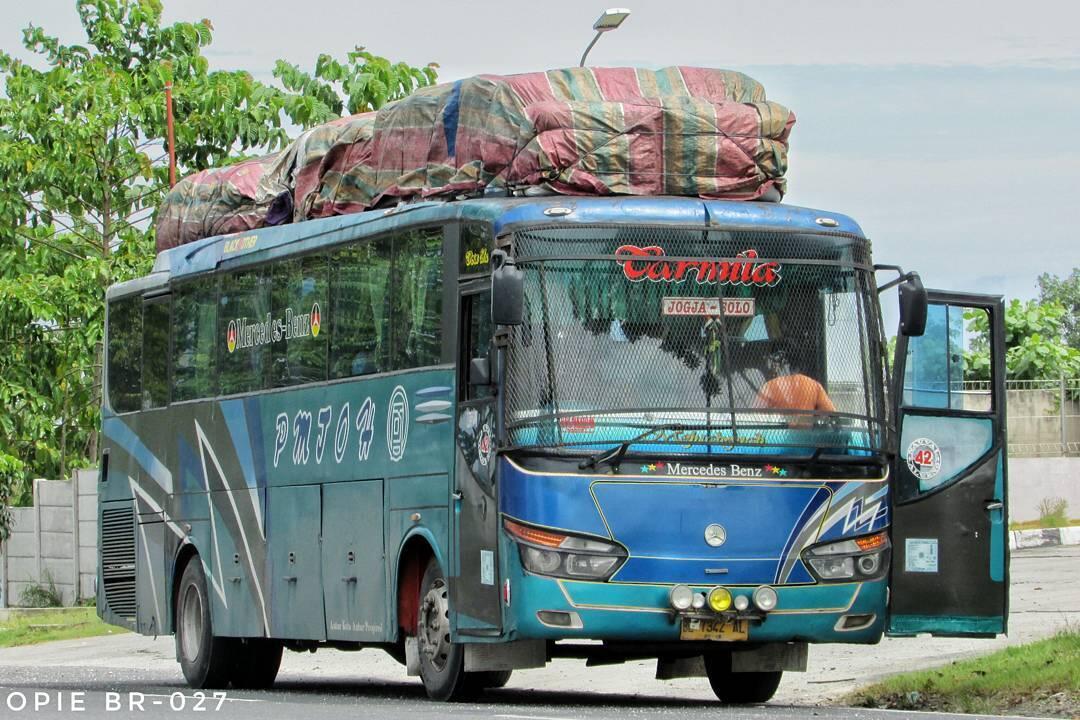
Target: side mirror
{"points": [[479, 371], [507, 290], [913, 306]]}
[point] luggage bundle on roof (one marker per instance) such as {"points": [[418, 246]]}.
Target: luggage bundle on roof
{"points": [[580, 131]]}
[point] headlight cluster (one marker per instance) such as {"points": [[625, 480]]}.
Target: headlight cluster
{"points": [[721, 600], [546, 552], [862, 558]]}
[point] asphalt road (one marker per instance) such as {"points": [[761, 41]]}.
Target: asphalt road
{"points": [[115, 673]]}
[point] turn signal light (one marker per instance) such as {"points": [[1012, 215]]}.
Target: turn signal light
{"points": [[872, 542], [534, 535]]}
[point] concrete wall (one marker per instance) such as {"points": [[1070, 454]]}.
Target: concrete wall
{"points": [[55, 540], [1031, 480]]}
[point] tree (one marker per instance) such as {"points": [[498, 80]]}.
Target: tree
{"points": [[1034, 349], [1066, 292], [82, 167]]}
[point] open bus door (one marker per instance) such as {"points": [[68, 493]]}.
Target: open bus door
{"points": [[950, 569]]}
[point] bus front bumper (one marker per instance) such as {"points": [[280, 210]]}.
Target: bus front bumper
{"points": [[553, 609]]}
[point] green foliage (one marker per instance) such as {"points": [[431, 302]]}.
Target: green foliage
{"points": [[1040, 679], [365, 81], [41, 595], [1066, 292], [1053, 512], [1034, 346], [83, 165]]}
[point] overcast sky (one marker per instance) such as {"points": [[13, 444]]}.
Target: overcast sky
{"points": [[949, 130]]}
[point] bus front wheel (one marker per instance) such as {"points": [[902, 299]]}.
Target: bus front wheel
{"points": [[205, 659], [739, 688], [442, 663]]}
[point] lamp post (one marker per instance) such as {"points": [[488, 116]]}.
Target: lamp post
{"points": [[611, 19]]}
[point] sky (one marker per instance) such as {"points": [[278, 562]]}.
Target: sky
{"points": [[949, 130]]}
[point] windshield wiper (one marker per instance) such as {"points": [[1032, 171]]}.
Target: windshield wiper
{"points": [[614, 456]]}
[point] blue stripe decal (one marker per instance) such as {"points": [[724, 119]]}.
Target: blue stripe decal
{"points": [[116, 430], [233, 412]]}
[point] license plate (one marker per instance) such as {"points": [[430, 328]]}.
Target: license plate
{"points": [[718, 629]]}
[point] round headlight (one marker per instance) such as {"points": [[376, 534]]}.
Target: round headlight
{"points": [[765, 598], [681, 597], [742, 602], [699, 600], [719, 599]]}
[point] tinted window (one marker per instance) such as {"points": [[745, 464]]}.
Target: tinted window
{"points": [[477, 330], [246, 326], [125, 354], [359, 315], [299, 298], [155, 368], [417, 304], [194, 321]]}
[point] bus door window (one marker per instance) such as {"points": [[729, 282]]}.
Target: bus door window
{"points": [[476, 333]]}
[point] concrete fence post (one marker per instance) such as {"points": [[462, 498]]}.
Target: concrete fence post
{"points": [[37, 528], [1061, 416], [75, 566], [3, 575]]}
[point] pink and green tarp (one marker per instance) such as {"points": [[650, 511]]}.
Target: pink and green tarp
{"points": [[580, 131]]}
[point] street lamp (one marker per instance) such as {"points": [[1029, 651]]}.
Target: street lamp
{"points": [[611, 19]]}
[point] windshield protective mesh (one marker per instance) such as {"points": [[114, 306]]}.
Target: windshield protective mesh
{"points": [[706, 340]]}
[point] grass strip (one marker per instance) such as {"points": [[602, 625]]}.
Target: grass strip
{"points": [[46, 627], [1040, 678]]}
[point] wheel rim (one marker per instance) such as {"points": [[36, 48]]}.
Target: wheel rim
{"points": [[433, 631], [191, 623]]}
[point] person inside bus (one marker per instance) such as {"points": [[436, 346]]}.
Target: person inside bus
{"points": [[789, 389]]}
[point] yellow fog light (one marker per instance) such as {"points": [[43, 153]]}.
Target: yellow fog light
{"points": [[719, 599]]}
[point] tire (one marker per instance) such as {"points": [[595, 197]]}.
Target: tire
{"points": [[739, 688], [206, 660], [488, 679], [257, 664], [442, 663]]}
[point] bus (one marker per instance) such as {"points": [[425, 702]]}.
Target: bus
{"points": [[488, 433]]}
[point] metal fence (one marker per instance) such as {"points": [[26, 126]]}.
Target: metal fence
{"points": [[1043, 416]]}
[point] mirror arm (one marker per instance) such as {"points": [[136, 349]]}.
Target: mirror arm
{"points": [[892, 283]]}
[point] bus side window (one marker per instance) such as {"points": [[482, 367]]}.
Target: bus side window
{"points": [[417, 303], [243, 309], [476, 331], [125, 354], [155, 349], [195, 340], [359, 314], [298, 299]]}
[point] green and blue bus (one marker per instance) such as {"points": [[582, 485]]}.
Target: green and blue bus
{"points": [[487, 433]]}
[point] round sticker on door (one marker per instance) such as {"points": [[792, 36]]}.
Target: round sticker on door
{"points": [[483, 444], [924, 458]]}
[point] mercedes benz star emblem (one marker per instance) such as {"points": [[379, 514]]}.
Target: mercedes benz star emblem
{"points": [[715, 535]]}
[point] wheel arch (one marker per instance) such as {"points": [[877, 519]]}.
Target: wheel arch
{"points": [[416, 549], [184, 555]]}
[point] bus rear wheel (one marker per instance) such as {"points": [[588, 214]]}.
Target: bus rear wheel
{"points": [[205, 659], [257, 664], [442, 663], [742, 688]]}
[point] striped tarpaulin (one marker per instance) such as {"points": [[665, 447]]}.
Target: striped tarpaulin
{"points": [[596, 131]]}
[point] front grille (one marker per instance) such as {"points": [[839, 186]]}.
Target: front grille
{"points": [[118, 559]]}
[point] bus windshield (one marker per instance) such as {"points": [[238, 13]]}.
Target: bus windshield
{"points": [[724, 341]]}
